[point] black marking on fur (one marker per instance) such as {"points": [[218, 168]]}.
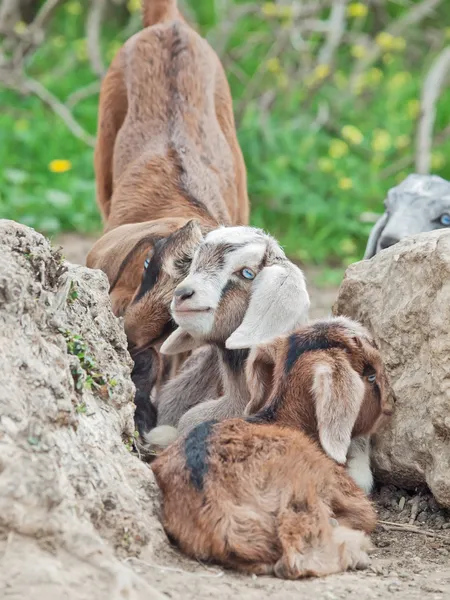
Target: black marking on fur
{"points": [[149, 240], [145, 415], [197, 453], [153, 271], [234, 360], [265, 415], [172, 539], [143, 376], [301, 343]]}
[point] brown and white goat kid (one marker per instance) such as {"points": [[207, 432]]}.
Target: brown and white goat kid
{"points": [[261, 494], [241, 291], [167, 154]]}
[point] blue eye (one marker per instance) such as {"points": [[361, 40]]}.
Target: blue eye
{"points": [[146, 263], [445, 220], [247, 273], [372, 378]]}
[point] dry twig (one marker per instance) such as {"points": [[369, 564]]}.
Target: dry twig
{"points": [[336, 30], [430, 94], [388, 526], [93, 27]]}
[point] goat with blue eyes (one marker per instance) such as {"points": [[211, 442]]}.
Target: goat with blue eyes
{"points": [[241, 290], [268, 493], [420, 203]]}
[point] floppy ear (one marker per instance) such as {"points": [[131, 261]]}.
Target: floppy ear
{"points": [[338, 392], [259, 376], [279, 303], [375, 235], [179, 341]]}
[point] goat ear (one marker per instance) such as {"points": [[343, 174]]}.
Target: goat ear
{"points": [[179, 341], [375, 235], [338, 392], [259, 375], [279, 303]]}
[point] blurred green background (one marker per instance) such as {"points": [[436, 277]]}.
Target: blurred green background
{"points": [[326, 96]]}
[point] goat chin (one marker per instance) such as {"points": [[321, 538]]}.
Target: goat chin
{"points": [[161, 436]]}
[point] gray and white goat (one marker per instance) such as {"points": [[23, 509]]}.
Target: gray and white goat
{"points": [[420, 203], [241, 291]]}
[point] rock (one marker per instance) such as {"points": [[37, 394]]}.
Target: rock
{"points": [[403, 296], [73, 499]]}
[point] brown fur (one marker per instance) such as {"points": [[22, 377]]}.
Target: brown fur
{"points": [[260, 495], [166, 153]]}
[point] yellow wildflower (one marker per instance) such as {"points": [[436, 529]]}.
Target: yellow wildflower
{"points": [[413, 108], [387, 58], [325, 165], [283, 81], [348, 246], [378, 160], [357, 10], [74, 8], [269, 9], [21, 125], [134, 6], [337, 149], [403, 141], [437, 160], [385, 40], [360, 83], [340, 80], [20, 27], [285, 12], [273, 65], [399, 44], [352, 134], [345, 183], [60, 166], [399, 79], [358, 51], [81, 51], [322, 71], [381, 141], [374, 75], [59, 41]]}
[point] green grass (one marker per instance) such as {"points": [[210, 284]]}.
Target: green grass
{"points": [[306, 187]]}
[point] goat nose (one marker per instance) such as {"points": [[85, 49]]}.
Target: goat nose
{"points": [[387, 241], [183, 293]]}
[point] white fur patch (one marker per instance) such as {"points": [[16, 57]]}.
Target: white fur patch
{"points": [[161, 436], [337, 407], [358, 464], [235, 235]]}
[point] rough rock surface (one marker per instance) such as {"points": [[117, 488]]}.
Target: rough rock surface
{"points": [[78, 511], [73, 499], [403, 296]]}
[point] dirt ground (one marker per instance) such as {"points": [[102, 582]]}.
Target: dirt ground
{"points": [[410, 559]]}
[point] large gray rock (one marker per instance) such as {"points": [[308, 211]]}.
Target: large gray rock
{"points": [[403, 296], [73, 499]]}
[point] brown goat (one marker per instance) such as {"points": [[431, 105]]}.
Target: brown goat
{"points": [[260, 494], [168, 168]]}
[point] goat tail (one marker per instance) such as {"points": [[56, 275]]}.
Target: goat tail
{"points": [[161, 436], [157, 11]]}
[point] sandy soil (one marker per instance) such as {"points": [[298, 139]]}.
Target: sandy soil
{"points": [[411, 557]]}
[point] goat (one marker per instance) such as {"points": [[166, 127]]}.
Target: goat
{"points": [[241, 290], [168, 168], [268, 493], [420, 203]]}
